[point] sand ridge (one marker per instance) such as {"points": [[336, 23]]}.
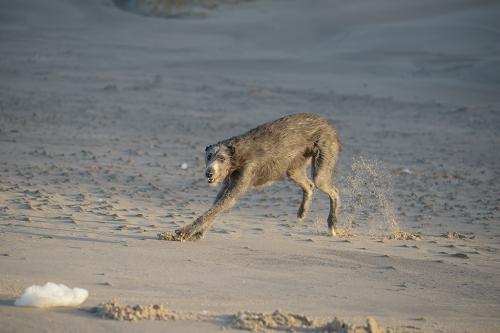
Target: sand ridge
{"points": [[116, 311], [282, 321], [244, 320]]}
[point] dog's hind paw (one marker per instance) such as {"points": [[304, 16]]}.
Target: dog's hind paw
{"points": [[301, 214]]}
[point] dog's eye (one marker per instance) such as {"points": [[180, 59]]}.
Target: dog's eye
{"points": [[209, 156]]}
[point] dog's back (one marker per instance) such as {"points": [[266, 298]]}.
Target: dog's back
{"points": [[283, 144]]}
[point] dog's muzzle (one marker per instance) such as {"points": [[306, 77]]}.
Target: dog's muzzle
{"points": [[210, 176]]}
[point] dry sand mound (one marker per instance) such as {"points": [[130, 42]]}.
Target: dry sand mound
{"points": [[281, 321], [277, 320], [113, 310], [456, 235], [251, 321]]}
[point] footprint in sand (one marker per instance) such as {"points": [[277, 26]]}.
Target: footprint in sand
{"points": [[459, 255], [23, 218]]}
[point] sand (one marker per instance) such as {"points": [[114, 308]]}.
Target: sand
{"points": [[114, 310], [105, 114], [289, 322]]}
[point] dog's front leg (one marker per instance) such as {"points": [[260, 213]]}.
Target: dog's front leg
{"points": [[227, 197], [226, 185]]}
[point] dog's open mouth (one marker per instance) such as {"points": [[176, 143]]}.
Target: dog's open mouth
{"points": [[211, 180]]}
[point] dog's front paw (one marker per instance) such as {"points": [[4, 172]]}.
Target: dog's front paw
{"points": [[189, 233]]}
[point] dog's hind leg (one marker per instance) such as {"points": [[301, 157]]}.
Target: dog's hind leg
{"points": [[299, 177], [322, 171]]}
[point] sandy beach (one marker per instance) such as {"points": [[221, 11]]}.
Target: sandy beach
{"points": [[105, 115]]}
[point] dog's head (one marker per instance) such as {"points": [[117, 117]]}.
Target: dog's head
{"points": [[218, 163]]}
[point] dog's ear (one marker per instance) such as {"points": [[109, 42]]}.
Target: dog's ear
{"points": [[231, 149]]}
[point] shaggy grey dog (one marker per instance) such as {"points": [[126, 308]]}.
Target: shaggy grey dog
{"points": [[265, 154]]}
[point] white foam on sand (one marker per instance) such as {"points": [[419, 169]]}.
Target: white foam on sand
{"points": [[51, 294]]}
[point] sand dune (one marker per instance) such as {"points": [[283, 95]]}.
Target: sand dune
{"points": [[104, 116]]}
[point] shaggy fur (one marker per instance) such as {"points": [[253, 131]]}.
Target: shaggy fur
{"points": [[267, 153]]}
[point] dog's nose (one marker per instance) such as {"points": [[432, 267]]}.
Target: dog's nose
{"points": [[209, 173]]}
